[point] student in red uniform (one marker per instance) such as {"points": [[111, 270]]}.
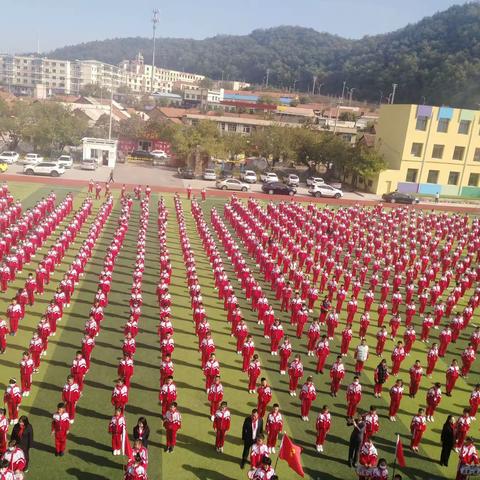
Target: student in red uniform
{"points": [[418, 425], [79, 369], [168, 394], [215, 396], [308, 394], [452, 374], [26, 372], [295, 372], [115, 428], [70, 397], [273, 427], [462, 427], [120, 394], [353, 395], [14, 313], [221, 425], [172, 423], [264, 393], [60, 428], [416, 374], [3, 335], [12, 399], [434, 396], [323, 424], [396, 394], [474, 401], [254, 370], [337, 374]]}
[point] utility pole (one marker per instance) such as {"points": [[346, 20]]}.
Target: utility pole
{"points": [[111, 115], [266, 79], [320, 88], [155, 20], [394, 87], [314, 84], [343, 89], [350, 96]]}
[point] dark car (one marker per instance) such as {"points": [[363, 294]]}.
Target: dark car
{"points": [[143, 154], [398, 197], [278, 188], [187, 174]]}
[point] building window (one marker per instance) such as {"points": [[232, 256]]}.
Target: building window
{"points": [[464, 127], [458, 153], [476, 155], [246, 129], [443, 125], [473, 179], [422, 123], [232, 127], [453, 178], [437, 151], [412, 174], [417, 149], [433, 176]]}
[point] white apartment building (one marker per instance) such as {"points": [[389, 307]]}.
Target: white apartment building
{"points": [[22, 74]]}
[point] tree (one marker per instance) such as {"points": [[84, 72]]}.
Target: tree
{"points": [[206, 83], [133, 127], [362, 161], [348, 117], [95, 90]]}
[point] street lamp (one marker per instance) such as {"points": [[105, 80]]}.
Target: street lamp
{"points": [[155, 20]]}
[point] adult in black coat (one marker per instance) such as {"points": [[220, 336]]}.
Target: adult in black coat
{"points": [[22, 433], [356, 440], [141, 431], [252, 427], [448, 440]]}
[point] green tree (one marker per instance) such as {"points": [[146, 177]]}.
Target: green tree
{"points": [[95, 90]]}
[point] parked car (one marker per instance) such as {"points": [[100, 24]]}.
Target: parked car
{"points": [[186, 174], [89, 164], [141, 154], [3, 167], [269, 177], [159, 154], [314, 180], [32, 159], [292, 180], [278, 188], [324, 190], [232, 184], [65, 160], [53, 169], [249, 176], [398, 197], [9, 157], [209, 174]]}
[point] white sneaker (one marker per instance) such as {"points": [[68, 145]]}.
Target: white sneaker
{"points": [[212, 418], [273, 449]]}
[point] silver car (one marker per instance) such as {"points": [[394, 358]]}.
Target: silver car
{"points": [[232, 184], [89, 164]]}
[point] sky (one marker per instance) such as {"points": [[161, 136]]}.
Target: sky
{"points": [[48, 24]]}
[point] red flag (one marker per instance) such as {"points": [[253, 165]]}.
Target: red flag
{"points": [[126, 447], [291, 454], [399, 452]]}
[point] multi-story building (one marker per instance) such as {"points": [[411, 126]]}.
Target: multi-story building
{"points": [[429, 150], [21, 74]]}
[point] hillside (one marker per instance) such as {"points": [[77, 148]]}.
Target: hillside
{"points": [[437, 58]]}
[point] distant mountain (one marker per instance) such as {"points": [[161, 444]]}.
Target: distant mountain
{"points": [[437, 58]]}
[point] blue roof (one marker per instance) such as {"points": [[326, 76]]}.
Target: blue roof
{"points": [[240, 97]]}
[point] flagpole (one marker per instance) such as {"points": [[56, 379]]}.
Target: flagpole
{"points": [[279, 450], [395, 461]]}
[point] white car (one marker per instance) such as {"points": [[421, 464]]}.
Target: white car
{"points": [[159, 154], [314, 180], [249, 176], [324, 190], [65, 160], [232, 184], [9, 157], [53, 169], [89, 164], [32, 159], [292, 180], [209, 174], [269, 177]]}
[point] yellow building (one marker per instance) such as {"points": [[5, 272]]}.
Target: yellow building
{"points": [[429, 150]]}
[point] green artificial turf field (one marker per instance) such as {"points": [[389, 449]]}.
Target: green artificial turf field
{"points": [[89, 455]]}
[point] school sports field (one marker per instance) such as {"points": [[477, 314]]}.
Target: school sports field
{"points": [[88, 449]]}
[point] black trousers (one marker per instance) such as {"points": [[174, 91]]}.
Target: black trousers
{"points": [[247, 444], [353, 451], [445, 455]]}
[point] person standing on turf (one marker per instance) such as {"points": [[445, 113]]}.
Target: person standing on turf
{"points": [[273, 427], [12, 398], [215, 397], [172, 423], [116, 428], [252, 427], [70, 396], [324, 422], [221, 425], [418, 426], [60, 428]]}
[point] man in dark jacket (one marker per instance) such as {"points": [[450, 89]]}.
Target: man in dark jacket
{"points": [[356, 440], [252, 427]]}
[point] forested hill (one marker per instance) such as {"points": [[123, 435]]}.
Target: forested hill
{"points": [[437, 58]]}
